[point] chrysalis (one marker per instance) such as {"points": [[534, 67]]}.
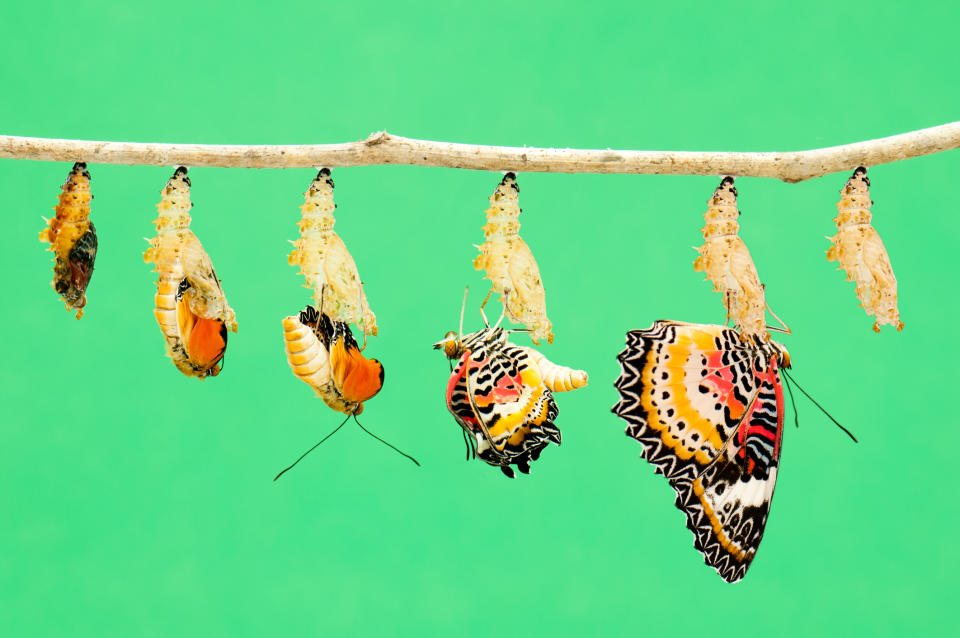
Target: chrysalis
{"points": [[325, 261], [510, 265], [73, 240], [324, 355], [727, 263], [860, 251], [190, 305]]}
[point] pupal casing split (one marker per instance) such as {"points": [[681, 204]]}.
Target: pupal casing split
{"points": [[190, 306]]}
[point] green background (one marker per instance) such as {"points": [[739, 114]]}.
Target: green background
{"points": [[136, 501]]}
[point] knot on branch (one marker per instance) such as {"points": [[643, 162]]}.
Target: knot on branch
{"points": [[377, 137]]}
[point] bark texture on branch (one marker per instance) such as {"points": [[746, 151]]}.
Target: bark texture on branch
{"points": [[384, 148]]}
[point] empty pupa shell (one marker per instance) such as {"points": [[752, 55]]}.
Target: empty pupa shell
{"points": [[860, 251], [727, 263], [510, 265], [73, 240], [190, 306], [325, 262]]}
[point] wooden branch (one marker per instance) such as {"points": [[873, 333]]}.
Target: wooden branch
{"points": [[383, 148]]}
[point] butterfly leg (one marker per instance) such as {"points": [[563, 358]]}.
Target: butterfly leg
{"points": [[503, 313]]}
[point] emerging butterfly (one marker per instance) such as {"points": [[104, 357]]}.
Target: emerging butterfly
{"points": [[861, 253], [73, 240], [727, 263], [501, 395], [190, 306], [324, 354], [707, 406], [510, 265], [325, 262]]}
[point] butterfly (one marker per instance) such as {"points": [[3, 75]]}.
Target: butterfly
{"points": [[324, 354], [73, 239], [190, 306], [707, 406], [501, 395]]}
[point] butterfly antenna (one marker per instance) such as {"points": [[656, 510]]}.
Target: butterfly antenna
{"points": [[312, 449], [814, 401], [394, 448], [463, 308], [466, 442], [796, 415]]}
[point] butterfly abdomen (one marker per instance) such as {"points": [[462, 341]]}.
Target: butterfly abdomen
{"points": [[556, 377], [307, 357]]}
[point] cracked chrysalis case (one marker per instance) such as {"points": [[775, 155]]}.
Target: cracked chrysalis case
{"points": [[860, 251], [510, 265], [325, 262], [727, 263]]}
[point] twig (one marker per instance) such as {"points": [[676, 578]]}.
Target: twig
{"points": [[383, 148]]}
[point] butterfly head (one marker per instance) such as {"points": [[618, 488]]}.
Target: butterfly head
{"points": [[450, 344]]}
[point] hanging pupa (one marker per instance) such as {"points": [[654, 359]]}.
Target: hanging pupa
{"points": [[190, 305], [510, 265], [860, 251], [73, 239], [326, 263], [501, 395], [727, 263]]}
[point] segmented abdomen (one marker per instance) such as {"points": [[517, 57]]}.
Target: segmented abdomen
{"points": [[556, 377], [310, 362]]}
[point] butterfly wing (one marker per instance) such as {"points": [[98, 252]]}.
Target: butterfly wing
{"points": [[708, 411], [497, 395]]}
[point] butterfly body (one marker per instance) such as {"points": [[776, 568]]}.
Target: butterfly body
{"points": [[190, 306], [498, 394], [323, 354], [73, 240], [707, 406]]}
